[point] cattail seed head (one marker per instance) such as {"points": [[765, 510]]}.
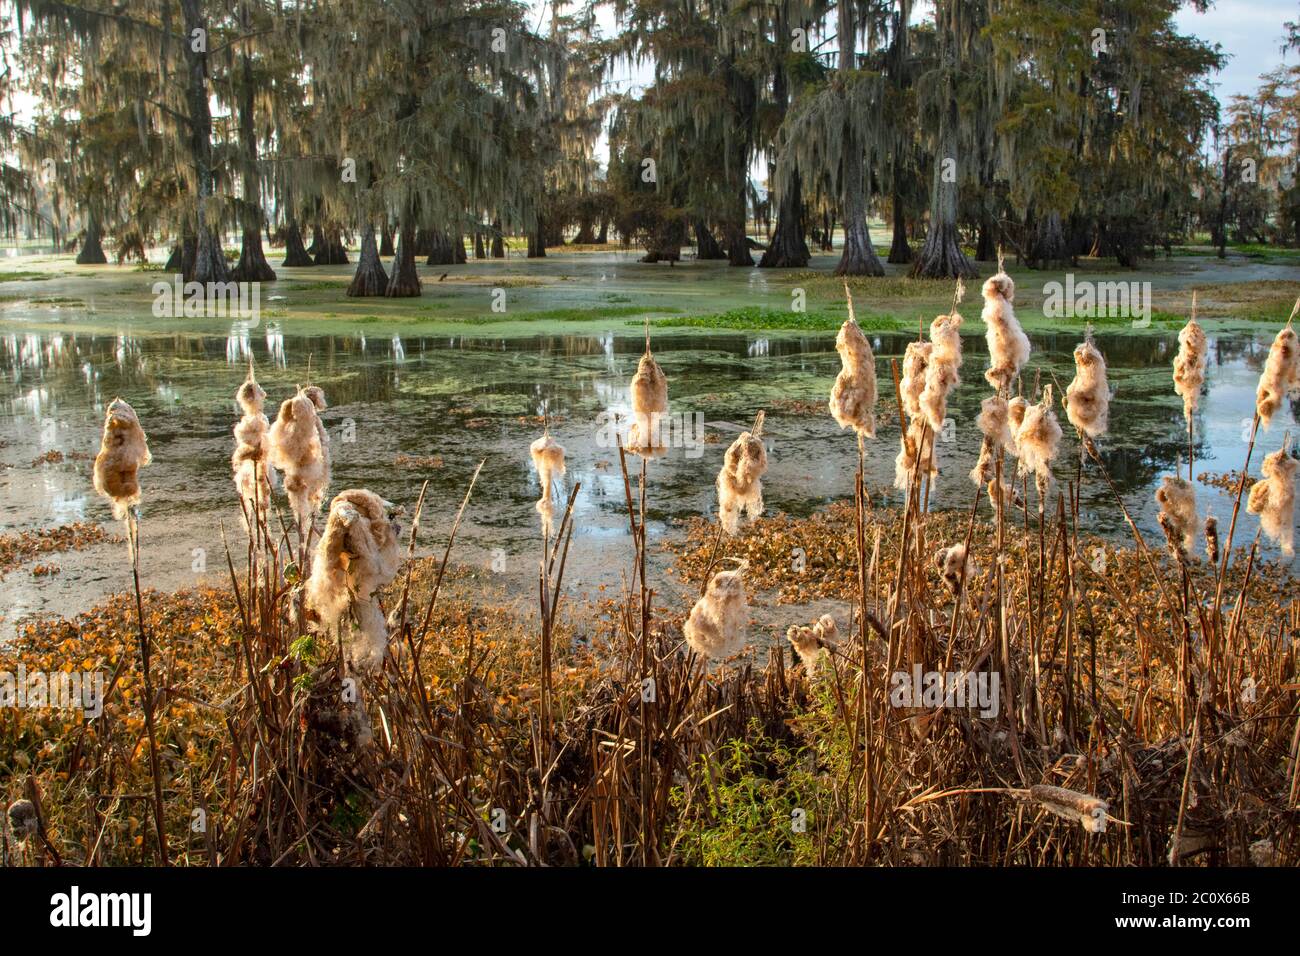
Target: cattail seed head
{"points": [[1008, 344], [250, 464], [358, 554], [718, 623], [24, 822], [123, 451], [648, 392], [955, 565], [1177, 500], [1038, 439], [1273, 499], [1281, 375], [740, 482], [811, 643], [548, 459], [941, 371], [1084, 809], [1189, 366], [915, 454], [1212, 538], [853, 396], [300, 447], [1087, 398]]}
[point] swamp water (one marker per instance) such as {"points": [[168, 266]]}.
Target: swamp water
{"points": [[406, 409]]}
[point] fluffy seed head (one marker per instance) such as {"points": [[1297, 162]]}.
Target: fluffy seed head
{"points": [[1087, 398], [1008, 344], [300, 447], [1273, 499], [1281, 375], [740, 482], [853, 396], [123, 451], [1177, 500], [1189, 366], [719, 620]]}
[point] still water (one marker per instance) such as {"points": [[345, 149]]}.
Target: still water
{"points": [[451, 401]]}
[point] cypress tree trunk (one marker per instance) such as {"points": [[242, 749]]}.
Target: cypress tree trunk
{"points": [[536, 243], [586, 232], [317, 247], [209, 263], [458, 248], [295, 253], [602, 237], [479, 251], [386, 243], [985, 248], [858, 258], [440, 249], [828, 234], [1049, 243], [498, 241], [252, 265], [706, 247], [738, 245], [92, 248], [370, 277], [405, 280], [900, 253], [330, 251], [942, 257], [182, 258], [788, 250]]}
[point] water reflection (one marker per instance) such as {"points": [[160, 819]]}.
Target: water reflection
{"points": [[463, 398]]}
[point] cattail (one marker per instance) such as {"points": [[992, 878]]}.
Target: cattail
{"points": [[1087, 398], [1088, 811], [1189, 366], [941, 375], [720, 618], [358, 554], [649, 393], [300, 447], [955, 565], [123, 451], [740, 482], [1281, 375], [1177, 500], [853, 397], [916, 359], [548, 459], [24, 821], [810, 643], [254, 477], [1008, 344], [994, 424], [1212, 538], [909, 458], [1273, 499], [1004, 491], [1038, 439]]}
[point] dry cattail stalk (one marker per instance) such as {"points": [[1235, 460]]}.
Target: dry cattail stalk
{"points": [[1088, 811], [1008, 344], [1189, 366], [254, 476], [941, 371], [649, 394], [955, 565], [1177, 500], [1273, 499], [910, 455], [1281, 375], [719, 620], [358, 554], [1087, 398], [740, 482], [1007, 492], [1038, 439], [1212, 538], [853, 396], [548, 459], [810, 642], [300, 447], [123, 451]]}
